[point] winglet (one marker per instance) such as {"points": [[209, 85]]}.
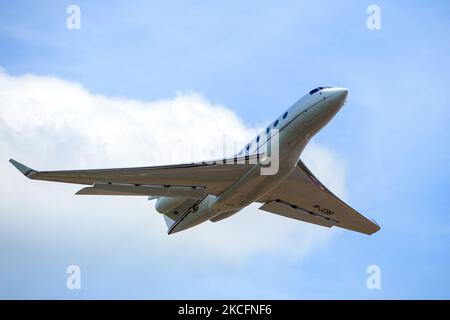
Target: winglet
{"points": [[27, 172]]}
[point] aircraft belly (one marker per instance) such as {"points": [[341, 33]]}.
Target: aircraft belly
{"points": [[247, 189], [250, 187]]}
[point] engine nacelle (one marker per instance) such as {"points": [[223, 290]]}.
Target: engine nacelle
{"points": [[168, 204]]}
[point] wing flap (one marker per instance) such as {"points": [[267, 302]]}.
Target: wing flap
{"points": [[291, 211], [91, 191], [143, 190]]}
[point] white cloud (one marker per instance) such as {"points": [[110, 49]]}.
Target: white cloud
{"points": [[50, 123]]}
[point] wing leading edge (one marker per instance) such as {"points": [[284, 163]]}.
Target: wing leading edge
{"points": [[303, 197]]}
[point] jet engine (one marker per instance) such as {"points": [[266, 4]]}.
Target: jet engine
{"points": [[168, 204]]}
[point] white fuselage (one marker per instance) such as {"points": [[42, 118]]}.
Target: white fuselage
{"points": [[295, 128]]}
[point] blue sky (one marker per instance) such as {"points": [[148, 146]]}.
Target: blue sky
{"points": [[256, 58]]}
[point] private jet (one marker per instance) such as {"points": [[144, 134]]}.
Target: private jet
{"points": [[268, 170]]}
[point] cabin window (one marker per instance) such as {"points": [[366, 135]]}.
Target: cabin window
{"points": [[248, 147], [314, 90], [275, 124], [317, 89], [257, 139], [285, 115], [267, 130]]}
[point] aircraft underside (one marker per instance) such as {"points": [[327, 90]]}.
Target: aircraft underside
{"points": [[189, 194]]}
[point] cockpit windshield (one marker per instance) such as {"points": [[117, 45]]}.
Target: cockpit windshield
{"points": [[317, 89]]}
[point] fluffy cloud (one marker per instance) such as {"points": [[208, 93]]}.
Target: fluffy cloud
{"points": [[50, 123]]}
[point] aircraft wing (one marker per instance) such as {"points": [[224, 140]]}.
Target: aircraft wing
{"points": [[303, 197], [192, 180]]}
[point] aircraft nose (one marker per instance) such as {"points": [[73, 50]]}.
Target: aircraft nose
{"points": [[341, 93], [338, 96], [332, 101]]}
